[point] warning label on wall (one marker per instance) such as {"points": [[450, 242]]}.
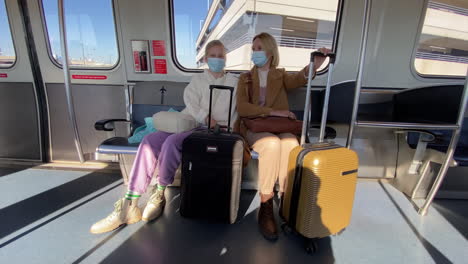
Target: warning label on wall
{"points": [[89, 77], [159, 48], [160, 66]]}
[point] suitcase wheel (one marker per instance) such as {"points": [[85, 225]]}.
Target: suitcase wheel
{"points": [[286, 229], [341, 231], [311, 246]]}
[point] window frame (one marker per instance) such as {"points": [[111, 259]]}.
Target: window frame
{"points": [[12, 39], [338, 18], [71, 67], [414, 71]]}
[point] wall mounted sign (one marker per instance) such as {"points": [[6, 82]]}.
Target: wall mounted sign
{"points": [[159, 48], [160, 66], [89, 77]]}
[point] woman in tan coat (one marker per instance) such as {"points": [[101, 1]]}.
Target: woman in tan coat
{"points": [[269, 98]]}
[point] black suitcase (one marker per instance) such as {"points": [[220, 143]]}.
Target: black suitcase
{"points": [[211, 171]]}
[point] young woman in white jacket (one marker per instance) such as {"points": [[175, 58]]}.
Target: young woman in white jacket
{"points": [[164, 150]]}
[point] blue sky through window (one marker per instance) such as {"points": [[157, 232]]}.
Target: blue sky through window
{"points": [[189, 18], [91, 33]]}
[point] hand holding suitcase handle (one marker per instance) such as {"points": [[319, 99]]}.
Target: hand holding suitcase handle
{"points": [[220, 87], [305, 124]]}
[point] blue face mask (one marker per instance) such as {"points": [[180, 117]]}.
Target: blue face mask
{"points": [[216, 64], [259, 58]]}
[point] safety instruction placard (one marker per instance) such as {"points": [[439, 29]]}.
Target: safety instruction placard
{"points": [[159, 48], [160, 66]]}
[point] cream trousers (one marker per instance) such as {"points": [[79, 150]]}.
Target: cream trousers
{"points": [[273, 150]]}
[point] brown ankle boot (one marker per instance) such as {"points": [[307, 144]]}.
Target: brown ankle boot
{"points": [[266, 221]]}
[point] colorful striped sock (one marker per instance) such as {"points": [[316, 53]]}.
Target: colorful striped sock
{"points": [[161, 187], [131, 195]]}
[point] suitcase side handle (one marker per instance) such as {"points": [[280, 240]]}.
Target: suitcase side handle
{"points": [[220, 87], [307, 108]]}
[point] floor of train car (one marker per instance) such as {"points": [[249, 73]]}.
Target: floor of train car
{"points": [[46, 214]]}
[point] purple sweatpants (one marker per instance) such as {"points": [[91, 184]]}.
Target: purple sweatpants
{"points": [[157, 150]]}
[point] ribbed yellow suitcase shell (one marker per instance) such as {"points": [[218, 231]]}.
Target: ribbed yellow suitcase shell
{"points": [[327, 189]]}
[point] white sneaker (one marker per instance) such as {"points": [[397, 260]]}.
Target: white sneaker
{"points": [[125, 212], [155, 206]]}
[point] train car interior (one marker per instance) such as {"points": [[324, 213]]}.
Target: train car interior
{"points": [[81, 80]]}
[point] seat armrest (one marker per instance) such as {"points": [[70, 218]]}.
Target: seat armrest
{"points": [[430, 136], [108, 124]]}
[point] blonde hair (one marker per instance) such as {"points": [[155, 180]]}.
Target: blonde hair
{"points": [[214, 43], [269, 46]]}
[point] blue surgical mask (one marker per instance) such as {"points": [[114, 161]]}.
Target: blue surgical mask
{"points": [[259, 58], [216, 64]]}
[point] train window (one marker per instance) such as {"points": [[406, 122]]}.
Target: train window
{"points": [[443, 44], [91, 34], [298, 26], [7, 50]]}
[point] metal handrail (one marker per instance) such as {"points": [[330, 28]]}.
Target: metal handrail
{"points": [[309, 43], [446, 7], [450, 151], [357, 91], [283, 41], [441, 57], [67, 81], [403, 125], [375, 124]]}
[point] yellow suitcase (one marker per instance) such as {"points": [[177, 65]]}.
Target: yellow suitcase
{"points": [[321, 182]]}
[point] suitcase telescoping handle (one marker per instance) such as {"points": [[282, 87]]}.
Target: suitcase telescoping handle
{"points": [[220, 87], [307, 108]]}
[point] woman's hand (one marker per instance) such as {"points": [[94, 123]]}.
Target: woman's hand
{"points": [[283, 113], [318, 60]]}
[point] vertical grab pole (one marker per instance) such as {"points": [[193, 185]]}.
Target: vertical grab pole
{"points": [[357, 91], [66, 75], [450, 151]]}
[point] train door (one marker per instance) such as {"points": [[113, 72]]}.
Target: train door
{"points": [[23, 129], [96, 73]]}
